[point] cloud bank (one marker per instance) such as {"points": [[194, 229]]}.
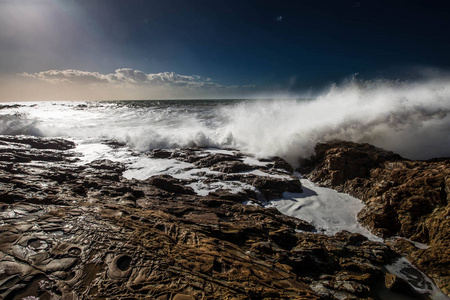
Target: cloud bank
{"points": [[126, 77], [122, 84]]}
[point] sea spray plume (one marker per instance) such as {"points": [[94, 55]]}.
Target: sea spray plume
{"points": [[170, 127], [409, 118], [18, 123]]}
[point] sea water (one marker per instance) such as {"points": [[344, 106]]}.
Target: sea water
{"points": [[411, 120]]}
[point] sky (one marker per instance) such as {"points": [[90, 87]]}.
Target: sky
{"points": [[186, 49]]}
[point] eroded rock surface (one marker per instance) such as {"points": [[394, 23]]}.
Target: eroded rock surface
{"points": [[83, 231], [404, 198]]}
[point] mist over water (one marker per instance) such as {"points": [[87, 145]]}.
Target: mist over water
{"points": [[411, 119]]}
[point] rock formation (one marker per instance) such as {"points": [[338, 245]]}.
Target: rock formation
{"points": [[83, 231], [404, 198]]}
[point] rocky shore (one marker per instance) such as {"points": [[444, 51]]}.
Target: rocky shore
{"points": [[403, 198], [71, 230]]}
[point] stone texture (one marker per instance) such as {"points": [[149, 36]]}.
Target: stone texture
{"points": [[404, 198], [73, 231]]}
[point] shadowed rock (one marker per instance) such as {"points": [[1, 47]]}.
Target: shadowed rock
{"points": [[38, 143], [86, 232], [170, 184], [403, 197]]}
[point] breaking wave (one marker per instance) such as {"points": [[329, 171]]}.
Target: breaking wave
{"points": [[411, 119]]}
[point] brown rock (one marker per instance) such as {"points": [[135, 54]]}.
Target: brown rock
{"points": [[39, 143], [160, 153], [170, 184], [231, 167], [398, 285], [273, 187], [404, 198], [211, 160], [280, 163], [75, 232], [183, 297]]}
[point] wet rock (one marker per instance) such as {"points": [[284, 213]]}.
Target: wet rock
{"points": [[231, 167], [211, 160], [337, 162], [226, 195], [3, 106], [62, 264], [170, 184], [7, 157], [352, 238], [274, 187], [398, 285], [183, 297], [403, 197], [75, 232], [280, 163], [106, 164], [39, 143], [128, 200], [160, 153], [114, 144], [120, 267]]}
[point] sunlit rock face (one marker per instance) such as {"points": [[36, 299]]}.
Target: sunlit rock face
{"points": [[76, 230], [403, 198]]}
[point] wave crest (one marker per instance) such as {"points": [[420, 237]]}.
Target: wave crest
{"points": [[411, 119]]}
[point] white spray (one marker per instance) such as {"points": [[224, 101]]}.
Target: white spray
{"points": [[411, 119]]}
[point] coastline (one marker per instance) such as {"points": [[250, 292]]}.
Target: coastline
{"points": [[83, 230]]}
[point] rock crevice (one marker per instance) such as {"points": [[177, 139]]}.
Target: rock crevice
{"points": [[74, 231], [403, 198]]}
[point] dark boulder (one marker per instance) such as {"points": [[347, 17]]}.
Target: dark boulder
{"points": [[170, 184], [403, 197]]}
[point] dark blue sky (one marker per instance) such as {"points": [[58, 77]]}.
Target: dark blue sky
{"points": [[294, 45]]}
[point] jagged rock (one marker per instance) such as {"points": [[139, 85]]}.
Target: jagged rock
{"points": [[74, 232], [226, 195], [337, 162], [39, 143], [170, 184], [159, 153], [106, 164], [211, 160], [403, 197], [280, 163], [231, 167], [398, 285], [114, 144], [273, 187]]}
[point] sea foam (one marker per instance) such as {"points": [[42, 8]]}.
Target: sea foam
{"points": [[411, 119]]}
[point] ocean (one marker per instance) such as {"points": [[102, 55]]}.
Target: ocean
{"points": [[413, 121], [256, 129], [410, 119]]}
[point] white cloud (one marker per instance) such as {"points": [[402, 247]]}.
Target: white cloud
{"points": [[126, 77], [279, 18], [74, 76], [122, 84]]}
